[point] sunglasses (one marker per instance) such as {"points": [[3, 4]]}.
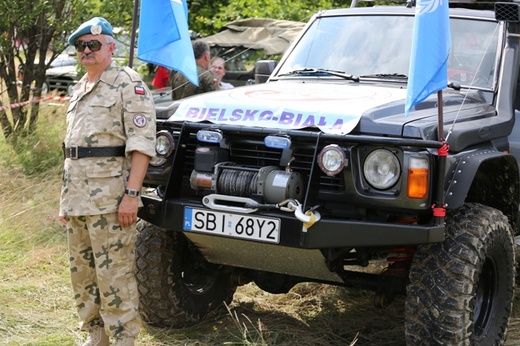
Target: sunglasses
{"points": [[93, 45]]}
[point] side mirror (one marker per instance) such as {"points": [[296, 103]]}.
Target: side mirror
{"points": [[263, 69]]}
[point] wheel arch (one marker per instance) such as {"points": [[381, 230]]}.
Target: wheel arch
{"points": [[488, 177]]}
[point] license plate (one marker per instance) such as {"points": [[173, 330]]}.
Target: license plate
{"points": [[232, 225]]}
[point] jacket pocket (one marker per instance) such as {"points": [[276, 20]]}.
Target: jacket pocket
{"points": [[106, 182], [108, 116]]}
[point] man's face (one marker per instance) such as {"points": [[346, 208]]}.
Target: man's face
{"points": [[96, 50]]}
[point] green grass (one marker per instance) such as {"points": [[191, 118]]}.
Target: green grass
{"points": [[36, 305], [35, 294]]}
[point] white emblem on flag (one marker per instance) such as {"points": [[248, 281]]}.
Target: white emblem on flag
{"points": [[427, 6]]}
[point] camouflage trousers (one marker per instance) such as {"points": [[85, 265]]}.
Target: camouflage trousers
{"points": [[102, 265]]}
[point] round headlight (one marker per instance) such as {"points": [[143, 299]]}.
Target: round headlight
{"points": [[164, 144], [381, 169], [331, 159]]}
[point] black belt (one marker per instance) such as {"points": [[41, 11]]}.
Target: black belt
{"points": [[75, 153]]}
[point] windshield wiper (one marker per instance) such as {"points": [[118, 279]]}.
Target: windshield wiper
{"points": [[454, 85], [318, 71], [386, 75]]}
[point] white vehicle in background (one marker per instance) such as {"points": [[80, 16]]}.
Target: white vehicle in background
{"points": [[62, 74]]}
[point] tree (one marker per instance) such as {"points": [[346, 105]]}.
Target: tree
{"points": [[33, 34], [207, 17]]}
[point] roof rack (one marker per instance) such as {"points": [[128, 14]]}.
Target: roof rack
{"points": [[504, 5]]}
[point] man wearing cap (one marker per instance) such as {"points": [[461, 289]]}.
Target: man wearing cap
{"points": [[109, 141]]}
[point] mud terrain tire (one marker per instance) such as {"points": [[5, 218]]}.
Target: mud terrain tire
{"points": [[461, 290], [177, 286]]}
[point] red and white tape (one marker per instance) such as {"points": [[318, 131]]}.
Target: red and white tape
{"points": [[35, 100]]}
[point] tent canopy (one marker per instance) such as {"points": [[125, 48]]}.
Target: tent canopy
{"points": [[273, 36]]}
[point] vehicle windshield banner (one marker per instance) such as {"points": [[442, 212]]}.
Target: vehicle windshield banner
{"points": [[331, 108]]}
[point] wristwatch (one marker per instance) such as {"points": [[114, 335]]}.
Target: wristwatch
{"points": [[132, 193]]}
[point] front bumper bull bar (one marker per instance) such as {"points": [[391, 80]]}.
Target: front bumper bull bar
{"points": [[326, 233]]}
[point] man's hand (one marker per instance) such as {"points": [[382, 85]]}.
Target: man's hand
{"points": [[127, 212]]}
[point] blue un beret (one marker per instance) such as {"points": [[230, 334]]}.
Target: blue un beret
{"points": [[95, 26]]}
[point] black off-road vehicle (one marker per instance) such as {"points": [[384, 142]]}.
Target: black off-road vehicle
{"points": [[318, 173]]}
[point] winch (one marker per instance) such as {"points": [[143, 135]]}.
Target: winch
{"points": [[271, 183], [215, 173]]}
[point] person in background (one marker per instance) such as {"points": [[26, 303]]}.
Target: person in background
{"points": [[218, 67], [182, 88], [161, 78], [108, 144]]}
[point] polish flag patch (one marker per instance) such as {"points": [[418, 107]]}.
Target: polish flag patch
{"points": [[139, 90]]}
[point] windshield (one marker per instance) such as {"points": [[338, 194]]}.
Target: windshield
{"points": [[379, 46]]}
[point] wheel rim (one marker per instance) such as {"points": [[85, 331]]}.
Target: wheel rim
{"points": [[486, 297]]}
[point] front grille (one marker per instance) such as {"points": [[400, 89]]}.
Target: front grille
{"points": [[60, 84], [248, 150], [332, 184], [253, 153], [242, 150]]}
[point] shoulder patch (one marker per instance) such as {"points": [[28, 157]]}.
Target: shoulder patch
{"points": [[139, 90], [140, 120]]}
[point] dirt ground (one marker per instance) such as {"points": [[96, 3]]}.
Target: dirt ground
{"points": [[309, 315]]}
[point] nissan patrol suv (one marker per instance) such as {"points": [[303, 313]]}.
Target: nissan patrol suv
{"points": [[318, 173]]}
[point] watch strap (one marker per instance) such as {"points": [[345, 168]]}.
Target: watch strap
{"points": [[132, 193]]}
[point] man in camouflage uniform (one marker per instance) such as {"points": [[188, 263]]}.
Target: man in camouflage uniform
{"points": [[182, 88], [109, 141]]}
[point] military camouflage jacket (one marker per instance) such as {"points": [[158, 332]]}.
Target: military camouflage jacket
{"points": [[117, 110], [182, 88]]}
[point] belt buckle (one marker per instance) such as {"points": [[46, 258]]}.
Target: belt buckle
{"points": [[73, 153]]}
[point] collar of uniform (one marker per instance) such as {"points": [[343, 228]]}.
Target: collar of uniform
{"points": [[110, 74]]}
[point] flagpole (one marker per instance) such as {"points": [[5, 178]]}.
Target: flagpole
{"points": [[440, 132], [439, 209], [132, 39]]}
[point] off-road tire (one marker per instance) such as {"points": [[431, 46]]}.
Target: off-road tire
{"points": [[461, 290], [177, 286]]}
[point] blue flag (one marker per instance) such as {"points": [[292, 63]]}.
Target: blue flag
{"points": [[430, 51], [164, 38]]}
